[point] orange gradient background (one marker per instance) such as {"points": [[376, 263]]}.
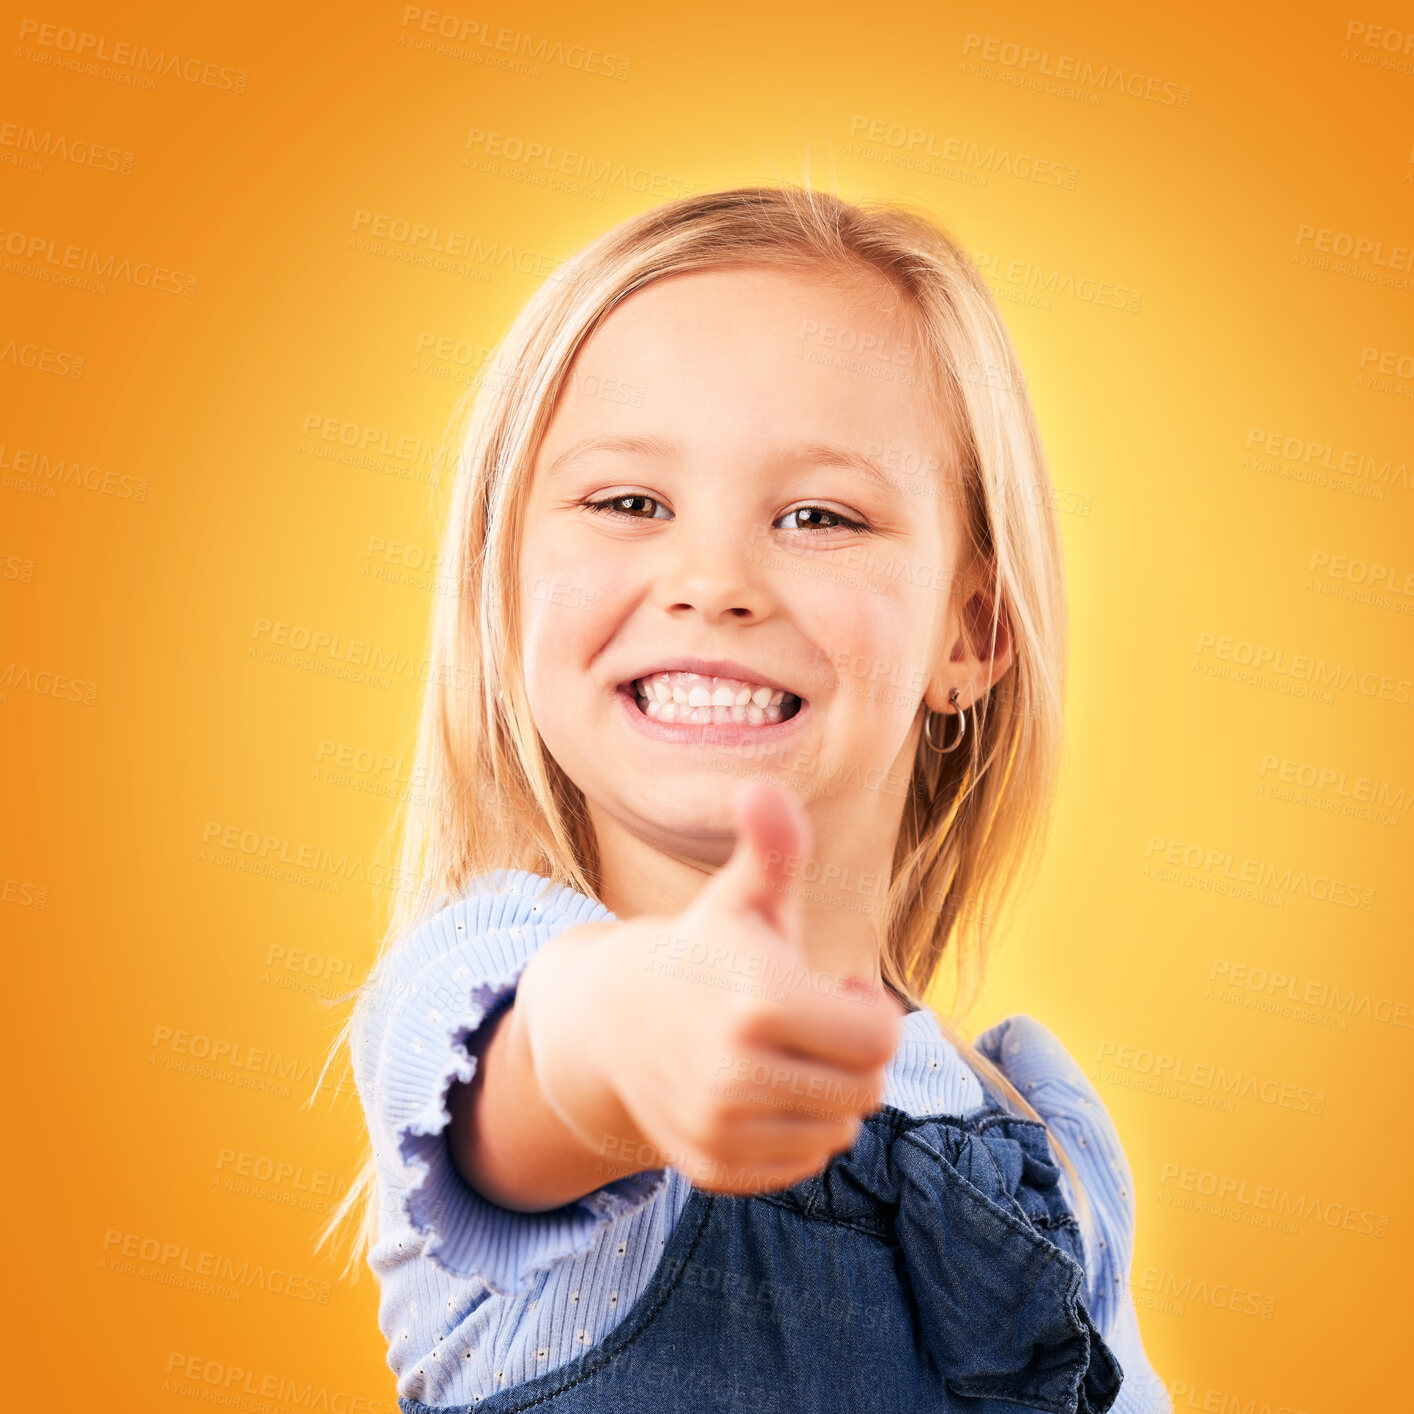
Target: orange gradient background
{"points": [[204, 508]]}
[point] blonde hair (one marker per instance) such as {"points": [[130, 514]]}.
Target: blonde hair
{"points": [[975, 820]]}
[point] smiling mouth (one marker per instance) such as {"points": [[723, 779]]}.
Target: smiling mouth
{"points": [[701, 700]]}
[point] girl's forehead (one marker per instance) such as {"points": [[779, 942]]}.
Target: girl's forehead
{"points": [[756, 341], [744, 358], [756, 301]]}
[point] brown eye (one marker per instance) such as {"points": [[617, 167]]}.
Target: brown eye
{"points": [[841, 522], [612, 505]]}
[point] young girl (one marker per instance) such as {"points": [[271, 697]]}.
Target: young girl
{"points": [[746, 718]]}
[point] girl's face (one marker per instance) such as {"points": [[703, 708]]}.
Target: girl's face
{"points": [[725, 424]]}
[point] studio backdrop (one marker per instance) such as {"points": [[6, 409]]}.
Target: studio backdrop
{"points": [[251, 261]]}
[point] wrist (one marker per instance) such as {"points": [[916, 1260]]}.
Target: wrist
{"points": [[564, 997]]}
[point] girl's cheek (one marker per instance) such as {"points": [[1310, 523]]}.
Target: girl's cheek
{"points": [[559, 577], [872, 641], [845, 615], [566, 603], [555, 601], [598, 578]]}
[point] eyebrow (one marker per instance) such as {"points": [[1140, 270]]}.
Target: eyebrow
{"points": [[798, 454]]}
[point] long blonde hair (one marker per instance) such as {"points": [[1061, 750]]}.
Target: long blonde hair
{"points": [[975, 820]]}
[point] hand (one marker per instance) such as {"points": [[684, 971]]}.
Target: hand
{"points": [[735, 1062]]}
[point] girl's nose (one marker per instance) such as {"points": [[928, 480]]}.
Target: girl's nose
{"points": [[716, 576]]}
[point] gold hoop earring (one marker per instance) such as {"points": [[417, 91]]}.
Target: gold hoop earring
{"points": [[930, 715]]}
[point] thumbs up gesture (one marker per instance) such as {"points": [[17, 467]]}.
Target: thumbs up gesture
{"points": [[733, 1063]]}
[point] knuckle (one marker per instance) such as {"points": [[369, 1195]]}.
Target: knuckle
{"points": [[705, 1135], [870, 1093], [715, 1134], [746, 1024]]}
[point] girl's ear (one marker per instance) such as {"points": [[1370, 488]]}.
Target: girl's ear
{"points": [[977, 615], [975, 662]]}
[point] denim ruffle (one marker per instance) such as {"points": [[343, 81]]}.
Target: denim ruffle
{"points": [[991, 1249]]}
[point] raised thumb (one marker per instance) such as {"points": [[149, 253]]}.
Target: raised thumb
{"points": [[773, 840]]}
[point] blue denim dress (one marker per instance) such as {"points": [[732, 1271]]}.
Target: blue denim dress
{"points": [[933, 1266]]}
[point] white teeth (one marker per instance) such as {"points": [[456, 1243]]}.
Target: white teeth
{"points": [[691, 697], [683, 712]]}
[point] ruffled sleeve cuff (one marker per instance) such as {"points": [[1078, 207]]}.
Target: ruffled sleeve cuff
{"points": [[451, 976], [1043, 1070], [1142, 1392]]}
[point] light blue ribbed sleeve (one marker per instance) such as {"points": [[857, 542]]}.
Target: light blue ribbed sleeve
{"points": [[427, 999], [1041, 1068]]}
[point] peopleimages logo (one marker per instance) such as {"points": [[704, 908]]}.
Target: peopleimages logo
{"points": [[549, 162], [1271, 1200], [460, 37], [168, 1261], [1289, 994], [1304, 667], [41, 359], [1400, 257], [1261, 873], [431, 241], [914, 143], [68, 471], [1170, 1070], [221, 1382], [1066, 68], [97, 49], [29, 146], [44, 254]]}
